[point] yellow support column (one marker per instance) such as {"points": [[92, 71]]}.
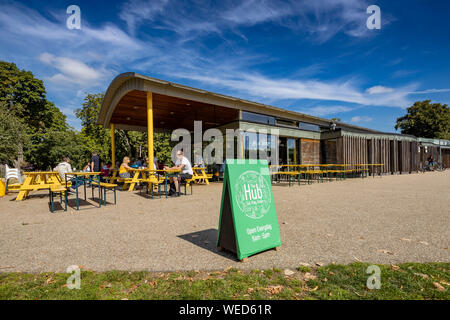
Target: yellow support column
{"points": [[150, 130], [113, 146]]}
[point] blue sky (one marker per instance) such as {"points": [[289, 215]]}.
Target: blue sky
{"points": [[316, 57]]}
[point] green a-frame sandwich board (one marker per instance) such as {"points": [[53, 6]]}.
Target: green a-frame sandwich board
{"points": [[248, 221]]}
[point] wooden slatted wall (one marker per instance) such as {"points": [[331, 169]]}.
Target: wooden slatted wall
{"points": [[397, 156]]}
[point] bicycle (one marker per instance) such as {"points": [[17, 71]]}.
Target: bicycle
{"points": [[440, 167]]}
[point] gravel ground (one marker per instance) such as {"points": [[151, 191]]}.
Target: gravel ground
{"points": [[393, 219]]}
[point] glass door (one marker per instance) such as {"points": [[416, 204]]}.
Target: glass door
{"points": [[291, 151], [282, 151]]}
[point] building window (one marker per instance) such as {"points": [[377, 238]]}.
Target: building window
{"points": [[257, 145], [256, 117], [290, 123], [309, 126]]}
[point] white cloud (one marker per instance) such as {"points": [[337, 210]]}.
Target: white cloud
{"points": [[431, 91], [359, 119], [113, 36], [135, 12], [378, 90], [322, 111], [259, 86], [251, 12], [19, 22], [319, 19], [71, 70]]}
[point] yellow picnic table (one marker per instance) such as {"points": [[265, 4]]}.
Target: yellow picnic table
{"points": [[134, 179], [142, 175], [38, 181], [139, 175], [127, 181], [153, 177], [200, 175], [372, 167]]}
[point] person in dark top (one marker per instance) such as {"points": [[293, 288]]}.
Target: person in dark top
{"points": [[95, 162]]}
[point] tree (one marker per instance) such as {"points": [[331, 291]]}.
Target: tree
{"points": [[24, 105], [12, 136], [163, 150], [96, 138], [59, 144], [25, 97], [427, 120]]}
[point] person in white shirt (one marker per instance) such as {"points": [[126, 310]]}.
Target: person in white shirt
{"points": [[184, 165], [63, 168]]}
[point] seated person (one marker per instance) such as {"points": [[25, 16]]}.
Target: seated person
{"points": [[198, 160], [87, 168], [155, 163], [63, 169], [105, 170], [184, 165], [124, 167], [431, 162], [139, 162]]}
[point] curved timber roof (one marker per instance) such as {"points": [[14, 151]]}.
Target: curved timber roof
{"points": [[174, 104]]}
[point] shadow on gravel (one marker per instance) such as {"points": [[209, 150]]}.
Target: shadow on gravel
{"points": [[207, 239]]}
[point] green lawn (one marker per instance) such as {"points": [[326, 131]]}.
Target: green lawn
{"points": [[405, 281]]}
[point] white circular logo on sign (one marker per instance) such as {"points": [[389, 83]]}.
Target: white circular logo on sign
{"points": [[253, 194]]}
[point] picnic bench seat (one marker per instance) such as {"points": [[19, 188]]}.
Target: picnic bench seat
{"points": [[105, 186], [14, 186], [118, 179], [288, 174], [55, 189], [155, 183]]}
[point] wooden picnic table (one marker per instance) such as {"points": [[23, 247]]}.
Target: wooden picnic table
{"points": [[38, 180]]}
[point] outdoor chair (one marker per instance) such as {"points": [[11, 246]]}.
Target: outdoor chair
{"points": [[13, 174]]}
